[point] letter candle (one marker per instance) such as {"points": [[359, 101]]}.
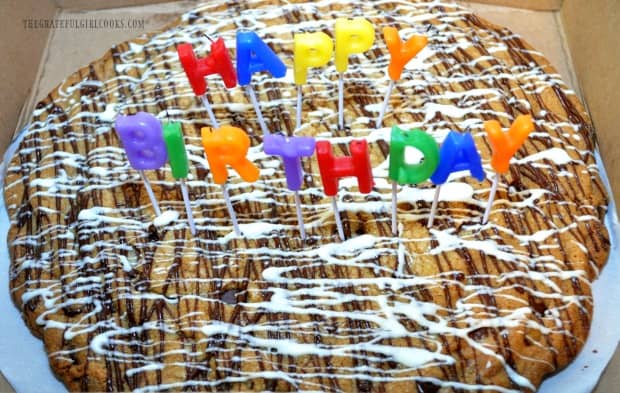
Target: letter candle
{"points": [[332, 169], [400, 54], [217, 62], [291, 149], [401, 172], [352, 36], [228, 146], [504, 146], [141, 137], [310, 50], [179, 164], [457, 153], [253, 55]]}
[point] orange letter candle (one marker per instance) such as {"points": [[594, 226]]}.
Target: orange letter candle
{"points": [[504, 146], [400, 54], [225, 146]]}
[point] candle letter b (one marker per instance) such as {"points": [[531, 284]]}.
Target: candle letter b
{"points": [[141, 136]]}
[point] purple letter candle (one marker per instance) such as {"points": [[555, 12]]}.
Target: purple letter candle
{"points": [[291, 150], [142, 139]]}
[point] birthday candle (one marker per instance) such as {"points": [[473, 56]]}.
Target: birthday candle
{"points": [[253, 55], [400, 54], [141, 137], [217, 62], [457, 153], [504, 146], [310, 50], [401, 172], [332, 169], [352, 36], [179, 164], [291, 149], [228, 146]]}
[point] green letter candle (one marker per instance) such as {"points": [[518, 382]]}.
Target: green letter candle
{"points": [[179, 164], [177, 154], [400, 172]]}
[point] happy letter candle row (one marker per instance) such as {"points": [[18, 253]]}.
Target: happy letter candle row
{"points": [[351, 36]]}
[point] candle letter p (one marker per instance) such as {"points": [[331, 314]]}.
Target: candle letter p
{"points": [[352, 36], [311, 50]]}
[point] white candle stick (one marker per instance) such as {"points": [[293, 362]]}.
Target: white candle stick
{"points": [[188, 207], [337, 216], [149, 191], [384, 106], [207, 105], [298, 119], [231, 212], [300, 216], [431, 218], [341, 101], [394, 209], [259, 114], [487, 211]]}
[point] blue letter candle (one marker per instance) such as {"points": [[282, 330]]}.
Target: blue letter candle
{"points": [[253, 55], [458, 153]]}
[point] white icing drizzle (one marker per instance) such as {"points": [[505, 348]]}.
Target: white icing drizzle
{"points": [[101, 270]]}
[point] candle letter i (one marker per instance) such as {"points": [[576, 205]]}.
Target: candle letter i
{"points": [[228, 146], [332, 169], [253, 55], [310, 50], [401, 172], [352, 36], [141, 136], [291, 150], [218, 62], [400, 54], [504, 146], [457, 153], [179, 164]]}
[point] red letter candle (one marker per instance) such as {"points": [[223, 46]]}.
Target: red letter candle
{"points": [[332, 169], [217, 62]]}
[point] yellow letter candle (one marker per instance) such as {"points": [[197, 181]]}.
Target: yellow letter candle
{"points": [[352, 36], [310, 50]]}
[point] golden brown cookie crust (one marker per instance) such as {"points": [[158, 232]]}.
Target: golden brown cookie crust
{"points": [[121, 304]]}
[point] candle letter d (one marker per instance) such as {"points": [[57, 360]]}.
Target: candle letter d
{"points": [[404, 173]]}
